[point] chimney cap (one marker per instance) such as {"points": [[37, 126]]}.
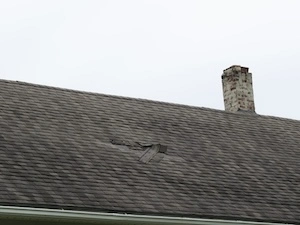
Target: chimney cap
{"points": [[236, 68]]}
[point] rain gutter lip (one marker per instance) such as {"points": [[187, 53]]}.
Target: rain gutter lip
{"points": [[43, 214]]}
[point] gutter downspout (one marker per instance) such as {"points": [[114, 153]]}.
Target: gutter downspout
{"points": [[52, 215]]}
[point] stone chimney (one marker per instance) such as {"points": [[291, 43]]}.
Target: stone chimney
{"points": [[238, 90]]}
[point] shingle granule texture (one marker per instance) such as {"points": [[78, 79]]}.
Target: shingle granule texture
{"points": [[76, 150]]}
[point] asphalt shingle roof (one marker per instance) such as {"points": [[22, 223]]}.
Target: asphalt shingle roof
{"points": [[68, 149]]}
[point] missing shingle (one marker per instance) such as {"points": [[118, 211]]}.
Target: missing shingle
{"points": [[153, 151], [125, 144], [146, 152]]}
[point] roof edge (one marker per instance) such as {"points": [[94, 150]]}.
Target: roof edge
{"points": [[43, 214], [107, 95], [145, 100]]}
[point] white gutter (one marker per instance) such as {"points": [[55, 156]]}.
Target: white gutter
{"points": [[40, 214]]}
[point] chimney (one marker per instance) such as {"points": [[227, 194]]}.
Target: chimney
{"points": [[238, 90]]}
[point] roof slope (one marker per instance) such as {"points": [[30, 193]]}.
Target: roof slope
{"points": [[68, 149]]}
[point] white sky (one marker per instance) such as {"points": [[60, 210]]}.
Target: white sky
{"points": [[165, 50]]}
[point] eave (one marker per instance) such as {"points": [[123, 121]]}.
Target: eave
{"points": [[51, 216]]}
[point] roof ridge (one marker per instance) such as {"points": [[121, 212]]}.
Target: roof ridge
{"points": [[142, 99], [108, 95]]}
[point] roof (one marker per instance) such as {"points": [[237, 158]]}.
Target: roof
{"points": [[85, 151]]}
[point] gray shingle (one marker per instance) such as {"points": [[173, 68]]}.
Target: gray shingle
{"points": [[56, 151]]}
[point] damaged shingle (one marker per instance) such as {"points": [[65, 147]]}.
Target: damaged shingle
{"points": [[129, 144], [151, 152]]}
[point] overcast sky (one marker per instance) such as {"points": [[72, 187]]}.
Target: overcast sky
{"points": [[167, 50]]}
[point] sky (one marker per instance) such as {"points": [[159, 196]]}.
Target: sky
{"points": [[166, 50]]}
